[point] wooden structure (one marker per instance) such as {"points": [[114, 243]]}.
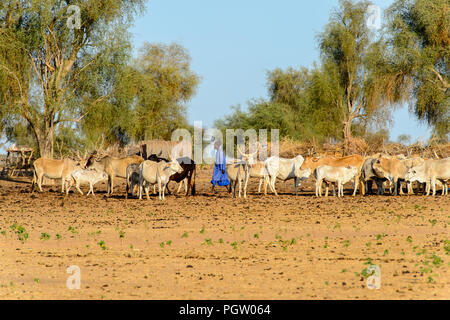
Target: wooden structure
{"points": [[19, 161]]}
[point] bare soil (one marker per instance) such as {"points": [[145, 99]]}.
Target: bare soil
{"points": [[216, 247]]}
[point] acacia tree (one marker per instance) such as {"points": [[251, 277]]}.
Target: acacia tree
{"points": [[419, 39], [49, 73], [352, 59], [148, 98]]}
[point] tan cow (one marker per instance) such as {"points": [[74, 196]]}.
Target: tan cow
{"points": [[258, 170], [355, 160], [236, 175], [113, 167], [431, 171], [391, 169], [53, 169]]}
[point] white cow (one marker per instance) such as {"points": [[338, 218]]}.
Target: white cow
{"points": [[87, 176], [285, 169], [430, 172], [152, 173], [339, 175]]}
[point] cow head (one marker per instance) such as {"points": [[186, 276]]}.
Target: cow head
{"points": [[175, 166], [378, 167], [248, 158], [298, 162]]}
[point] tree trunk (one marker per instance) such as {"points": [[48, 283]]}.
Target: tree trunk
{"points": [[347, 135], [45, 141]]}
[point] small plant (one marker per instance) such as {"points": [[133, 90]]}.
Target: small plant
{"points": [[256, 236], [346, 243], [58, 236], [234, 245], [208, 242], [72, 229], [36, 280], [185, 235], [121, 234], [102, 244], [21, 232], [433, 222], [220, 240], [203, 230], [3, 232], [409, 239], [45, 236], [169, 242]]}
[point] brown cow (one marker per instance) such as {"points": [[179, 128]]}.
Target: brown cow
{"points": [[53, 169], [392, 169]]}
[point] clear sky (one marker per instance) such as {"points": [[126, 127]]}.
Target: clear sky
{"points": [[234, 43]]}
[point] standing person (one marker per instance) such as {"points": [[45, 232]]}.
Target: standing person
{"points": [[220, 176]]}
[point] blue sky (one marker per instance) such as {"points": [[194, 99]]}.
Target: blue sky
{"points": [[234, 43]]}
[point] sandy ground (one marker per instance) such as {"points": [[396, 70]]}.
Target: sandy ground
{"points": [[216, 247]]}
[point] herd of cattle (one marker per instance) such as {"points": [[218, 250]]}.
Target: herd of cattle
{"points": [[158, 167]]}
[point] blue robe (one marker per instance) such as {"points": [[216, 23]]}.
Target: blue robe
{"points": [[218, 177]]}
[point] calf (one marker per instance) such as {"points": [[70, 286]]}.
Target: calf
{"points": [[368, 176], [355, 160], [152, 173], [236, 175], [87, 176], [132, 178], [339, 175], [258, 170]]}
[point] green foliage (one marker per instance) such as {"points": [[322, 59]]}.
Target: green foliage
{"points": [[419, 42], [346, 88], [51, 74]]}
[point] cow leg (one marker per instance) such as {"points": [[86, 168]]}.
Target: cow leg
{"points": [[356, 182], [179, 186], [259, 186], [400, 185], [147, 187], [112, 184], [77, 186], [317, 188], [266, 181], [40, 180], [272, 183], [246, 183], [140, 188], [296, 182], [159, 189], [379, 187], [433, 184], [90, 188]]}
